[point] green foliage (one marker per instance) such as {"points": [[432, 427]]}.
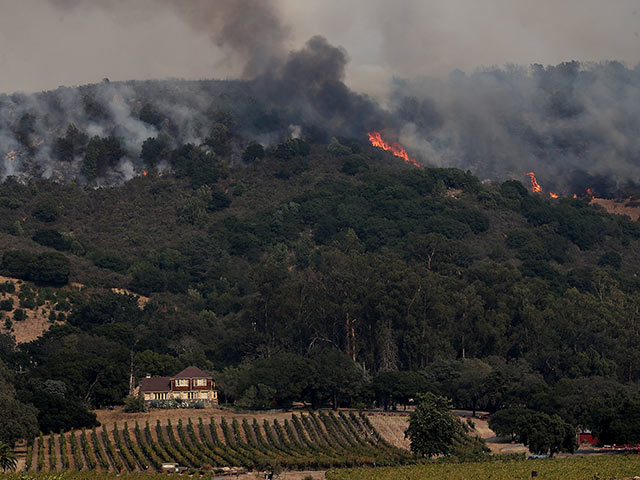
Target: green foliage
{"points": [[18, 420], [110, 259], [433, 429], [73, 143], [354, 164], [149, 114], [155, 149], [101, 154], [611, 259], [8, 460], [293, 147], [134, 404], [18, 263], [45, 210], [336, 149], [52, 238], [398, 387], [542, 433], [253, 152], [201, 167]]}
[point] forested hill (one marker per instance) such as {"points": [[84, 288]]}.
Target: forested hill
{"points": [[314, 270]]}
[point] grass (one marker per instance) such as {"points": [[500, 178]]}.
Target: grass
{"points": [[604, 467]]}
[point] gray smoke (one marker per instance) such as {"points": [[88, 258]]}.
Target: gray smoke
{"points": [[308, 87], [249, 31], [576, 125]]}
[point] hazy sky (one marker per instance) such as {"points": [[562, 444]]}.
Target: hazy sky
{"points": [[46, 43]]}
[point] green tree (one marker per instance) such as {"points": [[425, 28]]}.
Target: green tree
{"points": [[17, 421], [155, 149], [433, 429], [51, 269], [46, 210], [253, 152], [8, 460], [507, 422]]}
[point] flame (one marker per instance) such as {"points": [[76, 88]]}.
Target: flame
{"points": [[575, 195], [12, 155], [589, 192], [398, 150], [144, 173], [535, 186], [553, 195]]}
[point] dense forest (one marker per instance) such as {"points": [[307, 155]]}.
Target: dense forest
{"points": [[330, 273]]}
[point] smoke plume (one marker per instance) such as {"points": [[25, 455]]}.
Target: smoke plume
{"points": [[576, 124]]}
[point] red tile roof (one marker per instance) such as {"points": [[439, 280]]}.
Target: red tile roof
{"points": [[155, 384], [191, 372]]}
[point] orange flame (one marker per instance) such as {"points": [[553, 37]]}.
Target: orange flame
{"points": [[589, 192], [535, 186], [575, 195], [398, 150], [144, 173], [553, 195]]}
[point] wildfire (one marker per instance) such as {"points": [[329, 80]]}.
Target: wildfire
{"points": [[575, 195], [589, 192], [12, 155], [144, 173], [398, 150], [553, 195], [535, 186]]}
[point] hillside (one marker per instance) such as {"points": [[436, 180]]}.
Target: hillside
{"points": [[327, 272]]}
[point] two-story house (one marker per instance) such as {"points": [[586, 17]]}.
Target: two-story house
{"points": [[190, 385]]}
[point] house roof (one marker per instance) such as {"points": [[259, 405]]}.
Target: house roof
{"points": [[155, 384], [191, 372]]}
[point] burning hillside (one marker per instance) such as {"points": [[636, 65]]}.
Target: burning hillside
{"points": [[398, 150]]}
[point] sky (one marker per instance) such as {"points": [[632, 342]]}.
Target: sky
{"points": [[47, 43]]}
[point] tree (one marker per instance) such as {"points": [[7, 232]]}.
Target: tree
{"points": [[540, 432], [543, 433], [17, 421], [155, 149], [8, 460], [51, 269], [253, 152], [46, 210], [506, 422], [398, 386], [433, 429]]}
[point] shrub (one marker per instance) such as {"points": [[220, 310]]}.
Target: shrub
{"points": [[6, 305], [45, 211], [134, 404]]}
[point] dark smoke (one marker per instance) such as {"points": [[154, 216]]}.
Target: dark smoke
{"points": [[309, 87], [576, 125]]}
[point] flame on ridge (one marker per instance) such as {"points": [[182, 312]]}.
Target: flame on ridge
{"points": [[535, 186], [553, 195], [398, 150]]}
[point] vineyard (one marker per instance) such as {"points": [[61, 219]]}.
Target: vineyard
{"points": [[306, 441], [570, 468]]}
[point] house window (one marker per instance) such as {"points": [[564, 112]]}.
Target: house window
{"points": [[161, 396], [200, 382], [193, 395], [182, 382]]}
